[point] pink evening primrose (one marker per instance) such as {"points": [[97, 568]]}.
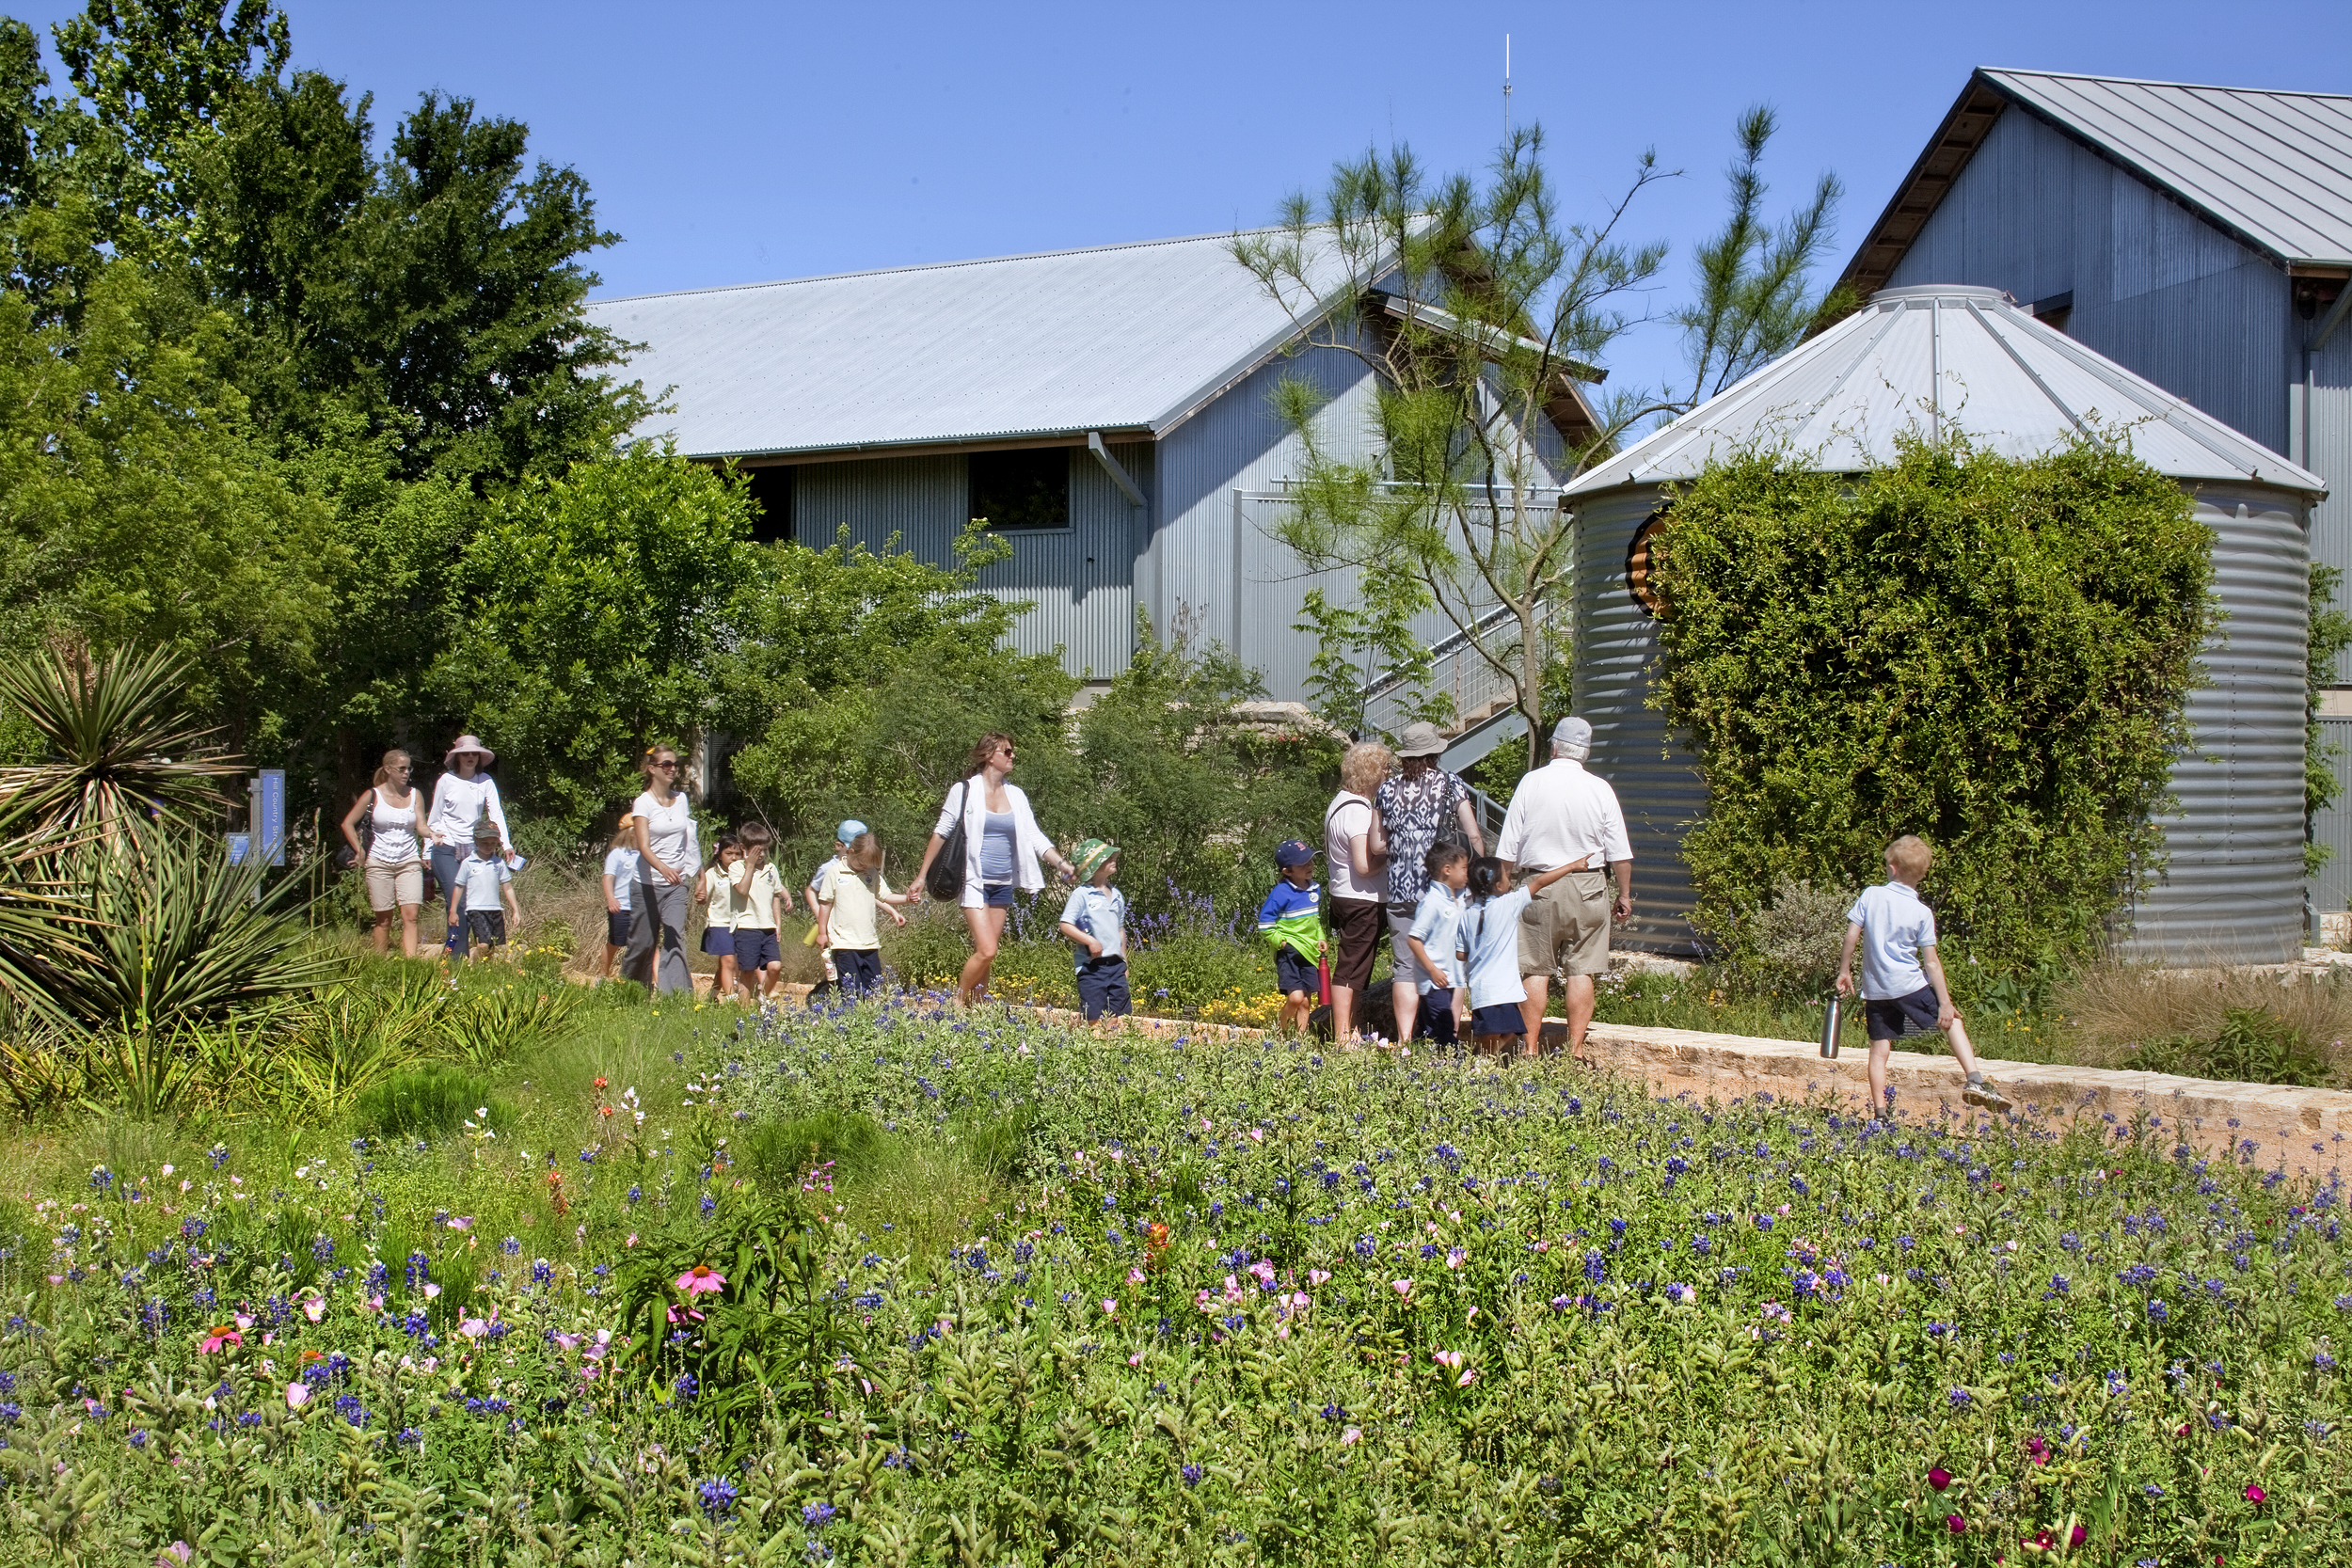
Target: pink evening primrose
{"points": [[1316, 1276], [473, 1329], [179, 1552], [314, 1306], [1402, 1287], [1351, 1436], [1110, 1305], [1449, 1359], [701, 1279], [297, 1395]]}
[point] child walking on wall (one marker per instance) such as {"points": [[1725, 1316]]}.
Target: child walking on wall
{"points": [[1095, 921], [1903, 980], [853, 898]]}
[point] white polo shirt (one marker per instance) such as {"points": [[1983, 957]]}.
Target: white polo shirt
{"points": [[1560, 815]]}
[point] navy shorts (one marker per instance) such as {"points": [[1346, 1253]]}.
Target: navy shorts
{"points": [[1897, 1016], [756, 948], [1502, 1018], [719, 940], [1297, 974], [996, 895], [486, 927], [1103, 988], [860, 969], [616, 924], [1435, 1021]]}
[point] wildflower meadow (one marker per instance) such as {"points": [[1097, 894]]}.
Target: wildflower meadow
{"points": [[896, 1285]]}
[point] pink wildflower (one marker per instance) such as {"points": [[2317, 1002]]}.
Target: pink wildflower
{"points": [[297, 1395], [1402, 1287], [1316, 1276], [700, 1278], [1349, 1438], [473, 1329], [225, 1335]]}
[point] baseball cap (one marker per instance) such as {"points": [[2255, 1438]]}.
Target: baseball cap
{"points": [[850, 831], [1573, 735], [1295, 851]]}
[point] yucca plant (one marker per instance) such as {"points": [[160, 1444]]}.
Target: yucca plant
{"points": [[120, 753]]}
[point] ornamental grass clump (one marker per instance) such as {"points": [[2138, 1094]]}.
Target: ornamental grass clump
{"points": [[1241, 1303]]}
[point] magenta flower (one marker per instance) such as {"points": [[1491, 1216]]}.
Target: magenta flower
{"points": [[1939, 1477], [2079, 1536], [1957, 1525], [225, 1335], [2255, 1493], [701, 1277]]}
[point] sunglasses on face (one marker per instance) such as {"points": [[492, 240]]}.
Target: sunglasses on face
{"points": [[667, 761]]}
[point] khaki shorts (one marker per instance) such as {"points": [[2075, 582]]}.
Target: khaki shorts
{"points": [[1565, 929], [390, 886]]}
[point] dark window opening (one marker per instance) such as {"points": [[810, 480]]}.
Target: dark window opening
{"points": [[2056, 311], [1021, 489], [772, 492]]}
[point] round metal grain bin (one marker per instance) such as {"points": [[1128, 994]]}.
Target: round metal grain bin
{"points": [[1968, 359]]}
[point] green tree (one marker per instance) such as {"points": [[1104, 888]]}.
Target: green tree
{"points": [[1995, 655], [1480, 316], [594, 612]]}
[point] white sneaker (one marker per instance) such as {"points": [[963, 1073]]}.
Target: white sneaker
{"points": [[1978, 1090]]}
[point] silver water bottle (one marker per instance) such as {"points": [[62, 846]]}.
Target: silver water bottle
{"points": [[1830, 1024]]}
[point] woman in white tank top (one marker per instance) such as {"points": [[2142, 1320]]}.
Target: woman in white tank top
{"points": [[394, 861]]}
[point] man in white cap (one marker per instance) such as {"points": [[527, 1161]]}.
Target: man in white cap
{"points": [[1565, 815]]}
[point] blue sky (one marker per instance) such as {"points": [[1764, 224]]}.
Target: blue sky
{"points": [[732, 142]]}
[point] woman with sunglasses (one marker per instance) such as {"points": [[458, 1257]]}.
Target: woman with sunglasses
{"points": [[1002, 848], [668, 855]]}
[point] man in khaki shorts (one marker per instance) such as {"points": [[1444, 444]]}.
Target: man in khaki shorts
{"points": [[1563, 815]]}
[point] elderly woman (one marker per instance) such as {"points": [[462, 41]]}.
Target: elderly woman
{"points": [[1002, 847], [1421, 807], [1358, 881]]}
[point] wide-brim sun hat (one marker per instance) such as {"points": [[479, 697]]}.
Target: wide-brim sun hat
{"points": [[1089, 855], [1421, 740], [468, 743]]}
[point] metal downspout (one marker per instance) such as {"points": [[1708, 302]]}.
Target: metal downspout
{"points": [[1140, 514]]}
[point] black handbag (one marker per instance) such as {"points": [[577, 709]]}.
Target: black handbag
{"points": [[945, 881]]}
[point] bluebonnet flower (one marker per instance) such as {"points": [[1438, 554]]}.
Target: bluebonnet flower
{"points": [[1192, 1474], [717, 1496], [686, 1387], [818, 1515]]}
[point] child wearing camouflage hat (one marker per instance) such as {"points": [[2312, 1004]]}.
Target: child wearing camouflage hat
{"points": [[1095, 921]]}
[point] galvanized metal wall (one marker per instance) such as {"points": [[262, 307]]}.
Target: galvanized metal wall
{"points": [[2232, 888], [1655, 778], [2233, 891], [2155, 288], [2321, 416], [1079, 579], [2331, 889]]}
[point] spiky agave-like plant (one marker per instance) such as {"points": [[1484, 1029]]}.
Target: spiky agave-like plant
{"points": [[120, 753]]}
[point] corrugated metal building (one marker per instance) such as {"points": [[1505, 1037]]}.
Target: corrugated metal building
{"points": [[1937, 359], [2200, 236], [1127, 387]]}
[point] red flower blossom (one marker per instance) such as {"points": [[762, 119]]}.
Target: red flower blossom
{"points": [[2078, 1537], [1939, 1477], [2254, 1494], [1957, 1525]]}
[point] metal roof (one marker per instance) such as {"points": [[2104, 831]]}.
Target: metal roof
{"points": [[1129, 337], [2272, 168], [1935, 360]]}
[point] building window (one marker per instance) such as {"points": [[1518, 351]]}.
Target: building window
{"points": [[1637, 567], [1021, 489], [772, 492]]}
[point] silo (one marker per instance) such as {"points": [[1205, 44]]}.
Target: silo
{"points": [[1940, 360]]}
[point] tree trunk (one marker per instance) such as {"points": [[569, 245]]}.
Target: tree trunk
{"points": [[1530, 684]]}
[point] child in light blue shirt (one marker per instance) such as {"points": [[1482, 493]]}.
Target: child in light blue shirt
{"points": [[1902, 981], [1095, 921], [1434, 939], [1490, 941]]}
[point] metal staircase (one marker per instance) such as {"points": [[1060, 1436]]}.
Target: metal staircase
{"points": [[1484, 713]]}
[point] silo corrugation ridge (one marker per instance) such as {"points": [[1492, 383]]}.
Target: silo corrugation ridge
{"points": [[2231, 891], [1654, 778]]}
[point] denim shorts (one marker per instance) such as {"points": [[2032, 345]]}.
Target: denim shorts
{"points": [[1501, 1018], [616, 924], [860, 969], [1892, 1018], [996, 895], [756, 948]]}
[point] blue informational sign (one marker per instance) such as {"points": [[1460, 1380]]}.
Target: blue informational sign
{"points": [[240, 845], [269, 817]]}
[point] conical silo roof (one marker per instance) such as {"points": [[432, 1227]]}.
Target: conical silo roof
{"points": [[1935, 360]]}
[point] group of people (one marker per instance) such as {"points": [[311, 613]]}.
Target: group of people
{"points": [[395, 835], [1475, 940]]}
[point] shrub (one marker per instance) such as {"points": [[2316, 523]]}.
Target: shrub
{"points": [[1790, 946], [1991, 654], [429, 1100]]}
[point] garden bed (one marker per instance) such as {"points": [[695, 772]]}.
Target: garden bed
{"points": [[1162, 1301]]}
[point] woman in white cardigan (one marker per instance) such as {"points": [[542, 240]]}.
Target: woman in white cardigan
{"points": [[1002, 848]]}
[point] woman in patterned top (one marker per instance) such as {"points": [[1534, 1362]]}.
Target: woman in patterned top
{"points": [[1422, 804]]}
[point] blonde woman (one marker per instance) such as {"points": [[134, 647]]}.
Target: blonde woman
{"points": [[1359, 887], [1002, 848], [393, 858]]}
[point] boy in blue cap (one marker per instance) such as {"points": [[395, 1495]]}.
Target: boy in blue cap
{"points": [[1292, 919]]}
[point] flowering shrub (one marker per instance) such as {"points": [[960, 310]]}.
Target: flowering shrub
{"points": [[1237, 1304]]}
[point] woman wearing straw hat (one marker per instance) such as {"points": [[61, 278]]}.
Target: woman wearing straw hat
{"points": [[1422, 805], [462, 797]]}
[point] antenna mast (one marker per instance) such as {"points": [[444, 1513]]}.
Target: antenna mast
{"points": [[1506, 87]]}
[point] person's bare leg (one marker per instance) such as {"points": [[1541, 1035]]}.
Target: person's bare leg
{"points": [[1880, 1051], [1956, 1035], [987, 926], [382, 935], [409, 930], [1407, 999], [611, 956], [1579, 995], [1538, 988], [1342, 1010]]}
